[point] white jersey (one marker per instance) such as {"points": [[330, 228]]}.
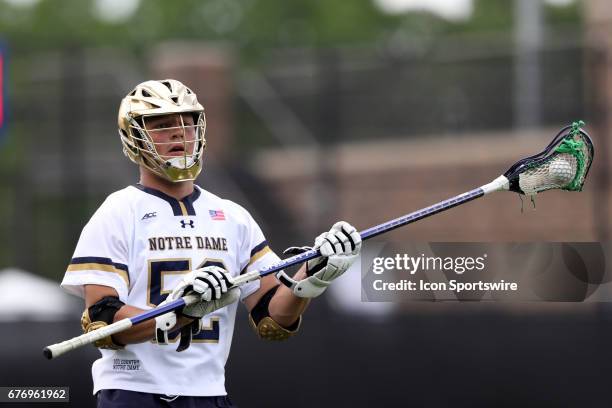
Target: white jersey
{"points": [[139, 242]]}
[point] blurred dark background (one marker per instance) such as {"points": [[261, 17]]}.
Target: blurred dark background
{"points": [[317, 111]]}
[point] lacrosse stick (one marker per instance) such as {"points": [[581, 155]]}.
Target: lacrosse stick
{"points": [[563, 164]]}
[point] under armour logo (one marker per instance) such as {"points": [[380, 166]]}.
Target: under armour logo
{"points": [[149, 215], [185, 223]]}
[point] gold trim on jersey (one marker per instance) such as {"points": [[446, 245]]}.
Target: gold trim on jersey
{"points": [[99, 267], [183, 208], [256, 256]]}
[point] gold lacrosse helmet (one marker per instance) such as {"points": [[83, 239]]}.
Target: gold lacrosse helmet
{"points": [[148, 102]]}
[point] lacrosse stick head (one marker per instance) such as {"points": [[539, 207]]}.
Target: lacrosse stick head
{"points": [[564, 164]]}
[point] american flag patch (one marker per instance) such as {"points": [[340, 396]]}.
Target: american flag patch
{"points": [[217, 215]]}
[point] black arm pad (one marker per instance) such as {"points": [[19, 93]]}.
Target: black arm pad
{"points": [[104, 310]]}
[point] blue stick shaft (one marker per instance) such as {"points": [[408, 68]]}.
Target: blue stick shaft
{"points": [[150, 314], [384, 227]]}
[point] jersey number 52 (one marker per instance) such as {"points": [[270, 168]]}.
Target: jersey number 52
{"points": [[161, 267]]}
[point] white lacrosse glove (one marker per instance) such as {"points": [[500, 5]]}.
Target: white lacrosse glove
{"points": [[213, 283], [339, 247]]}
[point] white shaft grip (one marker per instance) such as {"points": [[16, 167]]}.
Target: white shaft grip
{"points": [[500, 183], [192, 299], [246, 278], [58, 349]]}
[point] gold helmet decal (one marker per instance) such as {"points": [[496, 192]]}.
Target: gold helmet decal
{"points": [[162, 127]]}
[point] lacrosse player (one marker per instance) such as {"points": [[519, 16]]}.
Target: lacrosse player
{"points": [[164, 237]]}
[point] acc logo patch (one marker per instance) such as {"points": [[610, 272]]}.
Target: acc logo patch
{"points": [[148, 215]]}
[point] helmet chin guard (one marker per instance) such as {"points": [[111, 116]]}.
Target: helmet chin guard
{"points": [[152, 100]]}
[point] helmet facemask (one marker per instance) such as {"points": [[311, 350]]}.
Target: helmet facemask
{"points": [[171, 145]]}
